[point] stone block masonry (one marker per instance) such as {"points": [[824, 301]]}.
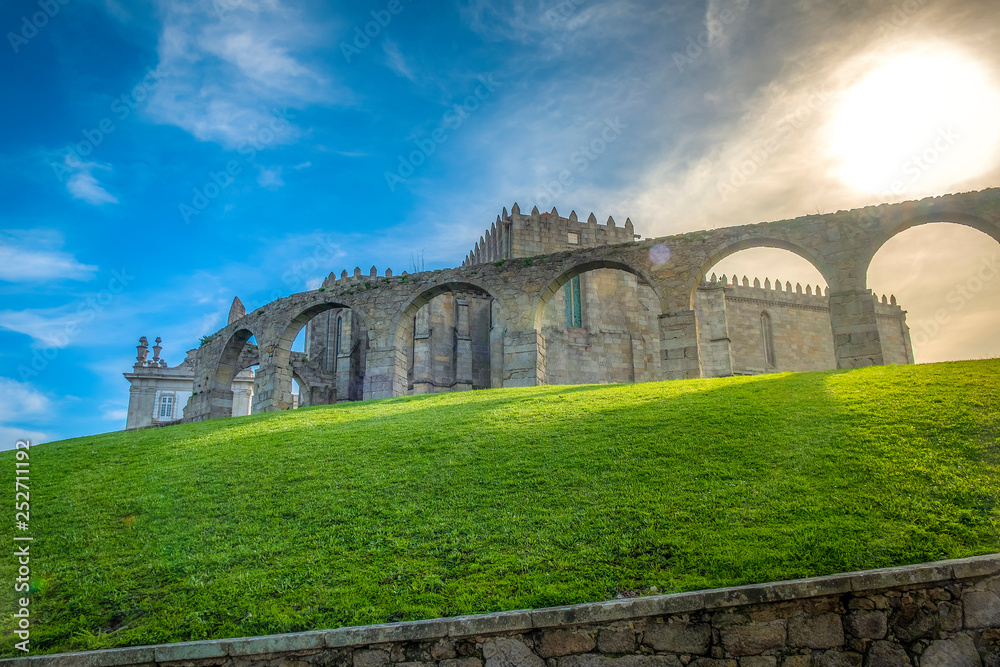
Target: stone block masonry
{"points": [[503, 325], [943, 614]]}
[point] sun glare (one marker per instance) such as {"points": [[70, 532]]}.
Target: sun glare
{"points": [[920, 122]]}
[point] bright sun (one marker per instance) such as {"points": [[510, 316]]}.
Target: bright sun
{"points": [[919, 122]]}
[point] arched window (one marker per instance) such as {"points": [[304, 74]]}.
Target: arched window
{"points": [[767, 335], [340, 331], [574, 314]]}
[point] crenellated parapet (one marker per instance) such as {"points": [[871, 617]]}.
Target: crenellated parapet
{"points": [[516, 235]]}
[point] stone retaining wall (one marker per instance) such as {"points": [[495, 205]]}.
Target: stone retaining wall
{"points": [[944, 614]]}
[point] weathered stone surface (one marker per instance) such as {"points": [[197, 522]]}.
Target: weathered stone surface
{"points": [[678, 637], [867, 624], [555, 643], [443, 649], [759, 661], [797, 661], [911, 622], [822, 631], [959, 651], [506, 652], [840, 659], [887, 654], [461, 662], [616, 641], [982, 609], [371, 658], [740, 640], [592, 660]]}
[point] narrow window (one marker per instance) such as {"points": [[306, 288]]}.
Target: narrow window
{"points": [[166, 407], [768, 336], [340, 332], [508, 241], [574, 315]]}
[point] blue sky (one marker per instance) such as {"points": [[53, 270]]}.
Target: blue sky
{"points": [[162, 157]]}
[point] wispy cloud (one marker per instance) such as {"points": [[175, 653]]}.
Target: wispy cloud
{"points": [[395, 60], [222, 72], [21, 400], [82, 184], [33, 256]]}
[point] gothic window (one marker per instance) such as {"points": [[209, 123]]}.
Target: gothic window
{"points": [[574, 314], [768, 337], [166, 407]]}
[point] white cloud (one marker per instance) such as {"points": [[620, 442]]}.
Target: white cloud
{"points": [[10, 435], [84, 185], [21, 400], [224, 72], [115, 414], [49, 327], [270, 178], [395, 60], [23, 260]]}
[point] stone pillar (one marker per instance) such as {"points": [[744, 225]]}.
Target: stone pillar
{"points": [[855, 329], [380, 373], [463, 347], [523, 359], [679, 345], [272, 390], [716, 354], [423, 378]]}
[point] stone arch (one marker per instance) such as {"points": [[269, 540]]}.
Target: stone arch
{"points": [[991, 229], [403, 333], [733, 246], [275, 375], [566, 275], [611, 329], [229, 364]]}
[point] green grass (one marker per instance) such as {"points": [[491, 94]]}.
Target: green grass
{"points": [[449, 504]]}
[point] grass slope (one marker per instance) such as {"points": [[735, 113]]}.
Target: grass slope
{"points": [[448, 504]]}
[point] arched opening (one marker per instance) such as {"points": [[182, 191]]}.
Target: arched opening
{"points": [[600, 324], [763, 310], [234, 381], [947, 278], [450, 338], [322, 352]]}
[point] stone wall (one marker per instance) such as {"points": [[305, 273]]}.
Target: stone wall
{"points": [[731, 335], [618, 340], [944, 614]]}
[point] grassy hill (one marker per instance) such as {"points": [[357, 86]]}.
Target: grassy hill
{"points": [[448, 504]]}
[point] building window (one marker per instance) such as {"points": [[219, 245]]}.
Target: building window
{"points": [[166, 407], [574, 314], [340, 332], [573, 238], [768, 336], [508, 239]]}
